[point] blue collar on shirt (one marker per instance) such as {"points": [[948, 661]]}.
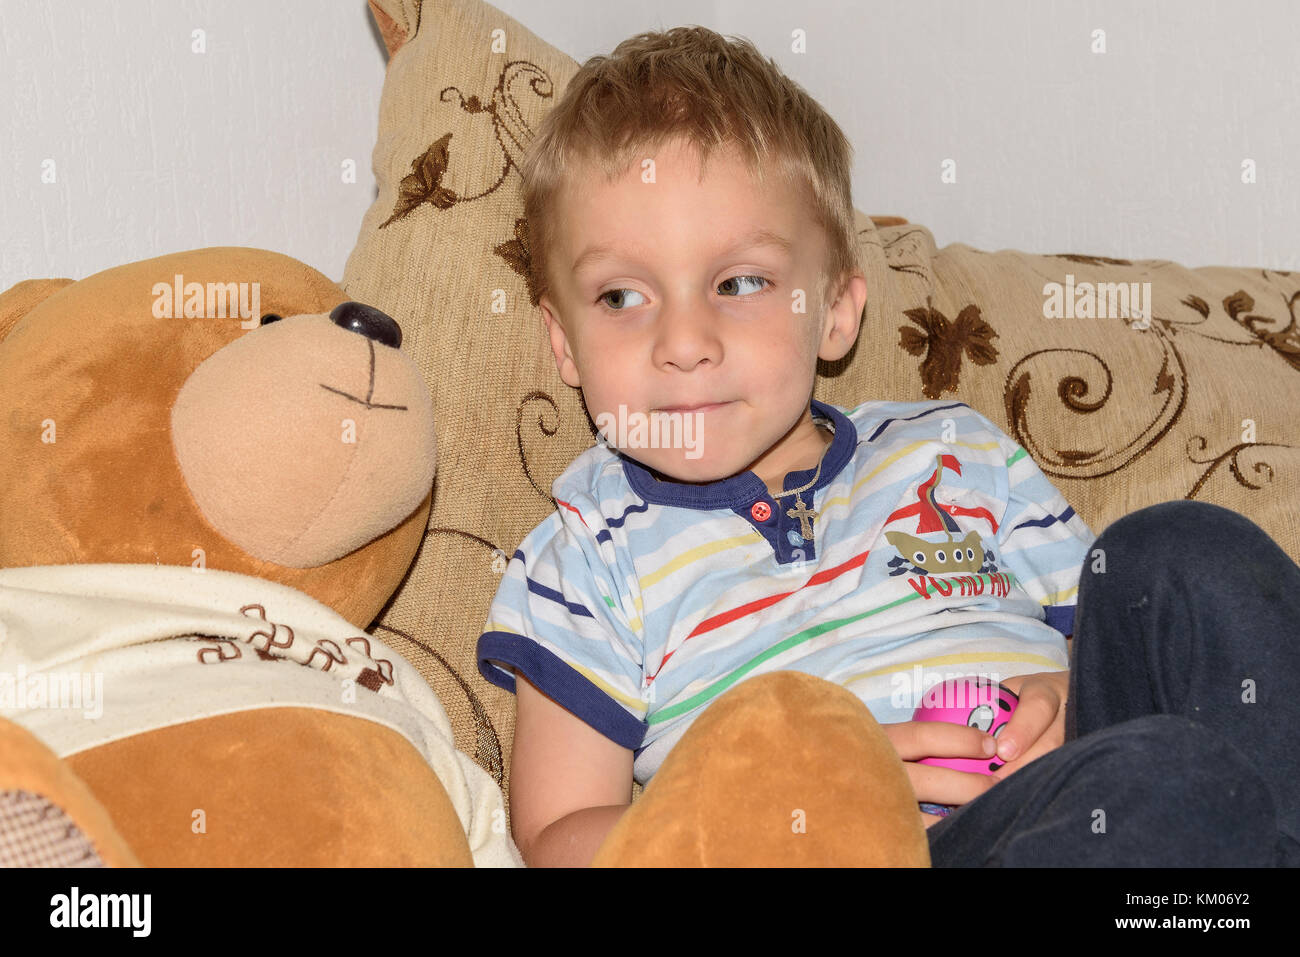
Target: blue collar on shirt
{"points": [[743, 490]]}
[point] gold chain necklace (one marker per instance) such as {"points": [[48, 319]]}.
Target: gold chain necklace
{"points": [[802, 512]]}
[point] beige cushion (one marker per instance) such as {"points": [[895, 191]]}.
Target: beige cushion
{"points": [[1117, 417], [442, 251]]}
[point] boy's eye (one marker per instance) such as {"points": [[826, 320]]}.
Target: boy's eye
{"points": [[738, 279], [621, 294], [620, 300]]}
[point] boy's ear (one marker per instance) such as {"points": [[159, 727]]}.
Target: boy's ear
{"points": [[564, 362], [843, 318]]}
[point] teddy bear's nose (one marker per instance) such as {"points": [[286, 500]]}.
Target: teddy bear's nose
{"points": [[369, 322]]}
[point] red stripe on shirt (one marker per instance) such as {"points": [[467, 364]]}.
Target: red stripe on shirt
{"points": [[758, 604], [560, 501]]}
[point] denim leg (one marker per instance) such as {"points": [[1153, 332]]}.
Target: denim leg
{"points": [[1197, 614], [1156, 791]]}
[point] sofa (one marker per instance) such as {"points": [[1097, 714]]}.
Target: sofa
{"points": [[1130, 382]]}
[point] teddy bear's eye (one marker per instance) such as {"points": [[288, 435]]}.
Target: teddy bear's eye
{"points": [[269, 318]]}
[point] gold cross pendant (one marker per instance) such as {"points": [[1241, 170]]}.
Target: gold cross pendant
{"points": [[803, 513]]}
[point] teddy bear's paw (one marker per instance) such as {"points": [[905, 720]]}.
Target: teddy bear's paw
{"points": [[36, 832], [784, 769]]}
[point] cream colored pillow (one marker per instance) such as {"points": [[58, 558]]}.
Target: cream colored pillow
{"points": [[443, 251], [1204, 404]]}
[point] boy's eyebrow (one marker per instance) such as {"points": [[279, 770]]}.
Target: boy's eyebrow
{"points": [[758, 237]]}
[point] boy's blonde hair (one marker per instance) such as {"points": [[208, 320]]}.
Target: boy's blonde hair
{"points": [[715, 92]]}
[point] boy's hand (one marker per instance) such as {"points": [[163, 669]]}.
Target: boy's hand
{"points": [[1038, 725], [936, 739]]}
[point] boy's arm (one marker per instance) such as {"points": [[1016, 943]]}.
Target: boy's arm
{"points": [[569, 784], [573, 840]]}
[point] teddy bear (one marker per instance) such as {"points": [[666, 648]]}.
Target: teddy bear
{"points": [[215, 470]]}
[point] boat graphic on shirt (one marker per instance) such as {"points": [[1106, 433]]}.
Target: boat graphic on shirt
{"points": [[918, 556]]}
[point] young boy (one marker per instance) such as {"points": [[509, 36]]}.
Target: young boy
{"points": [[691, 235]]}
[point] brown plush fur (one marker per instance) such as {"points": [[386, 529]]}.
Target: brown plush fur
{"points": [[785, 769], [28, 765], [276, 786], [93, 361]]}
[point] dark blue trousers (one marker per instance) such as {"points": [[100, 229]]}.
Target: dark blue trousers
{"points": [[1183, 715]]}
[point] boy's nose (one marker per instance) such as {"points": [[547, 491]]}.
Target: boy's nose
{"points": [[685, 339], [369, 322]]}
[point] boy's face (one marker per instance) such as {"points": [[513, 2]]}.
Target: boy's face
{"points": [[666, 317]]}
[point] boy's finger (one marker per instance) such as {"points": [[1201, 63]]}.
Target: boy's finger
{"points": [[1034, 714], [938, 739], [1048, 742], [946, 786]]}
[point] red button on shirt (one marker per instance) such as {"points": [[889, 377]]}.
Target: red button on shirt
{"points": [[761, 511]]}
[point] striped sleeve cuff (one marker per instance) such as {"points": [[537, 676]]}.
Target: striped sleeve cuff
{"points": [[502, 654]]}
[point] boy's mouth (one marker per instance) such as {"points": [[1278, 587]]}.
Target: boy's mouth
{"points": [[700, 407]]}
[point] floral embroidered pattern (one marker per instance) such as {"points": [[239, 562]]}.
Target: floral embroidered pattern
{"points": [[944, 342]]}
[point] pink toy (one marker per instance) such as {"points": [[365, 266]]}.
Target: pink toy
{"points": [[974, 701]]}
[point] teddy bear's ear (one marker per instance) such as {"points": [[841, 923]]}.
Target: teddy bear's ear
{"points": [[397, 20], [23, 297]]}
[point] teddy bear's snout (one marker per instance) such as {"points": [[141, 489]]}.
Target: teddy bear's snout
{"points": [[301, 442], [369, 322]]}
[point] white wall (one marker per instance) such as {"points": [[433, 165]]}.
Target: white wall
{"points": [[1135, 152]]}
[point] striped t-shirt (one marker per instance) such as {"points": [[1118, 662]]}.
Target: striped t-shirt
{"points": [[939, 549]]}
